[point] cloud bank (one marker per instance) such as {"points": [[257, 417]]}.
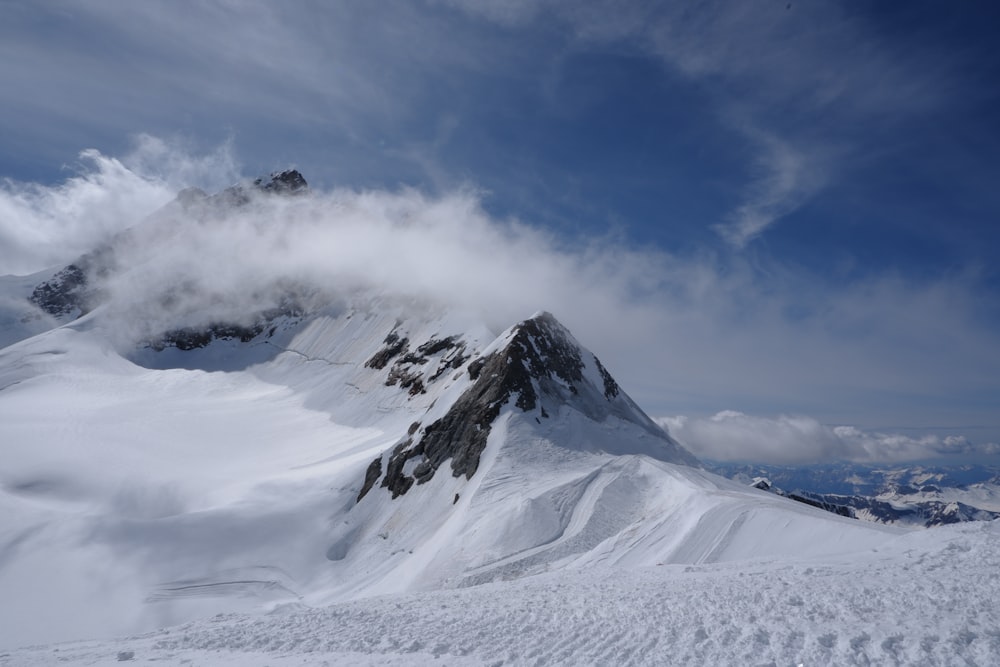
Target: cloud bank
{"points": [[734, 436], [684, 334], [44, 225]]}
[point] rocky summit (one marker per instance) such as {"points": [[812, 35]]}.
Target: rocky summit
{"points": [[539, 369]]}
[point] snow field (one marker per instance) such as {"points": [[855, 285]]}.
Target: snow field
{"points": [[926, 599]]}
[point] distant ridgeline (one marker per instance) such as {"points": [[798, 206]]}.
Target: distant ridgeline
{"points": [[918, 495]]}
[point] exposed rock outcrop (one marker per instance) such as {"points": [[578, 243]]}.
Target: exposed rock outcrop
{"points": [[284, 182], [410, 370]]}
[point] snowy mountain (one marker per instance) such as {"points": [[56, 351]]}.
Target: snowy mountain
{"points": [[865, 479], [921, 495], [359, 463]]}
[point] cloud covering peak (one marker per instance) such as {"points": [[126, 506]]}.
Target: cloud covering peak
{"points": [[685, 333]]}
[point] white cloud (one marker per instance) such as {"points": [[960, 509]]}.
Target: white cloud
{"points": [[683, 334], [43, 226], [734, 436], [783, 179], [176, 165]]}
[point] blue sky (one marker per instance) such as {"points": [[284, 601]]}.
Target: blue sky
{"points": [[827, 172]]}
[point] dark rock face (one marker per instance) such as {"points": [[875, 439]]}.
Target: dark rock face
{"points": [[63, 293], [396, 480], [394, 346], [408, 371], [73, 289], [289, 182], [834, 508], [406, 380], [283, 182], [611, 388], [191, 338], [372, 474], [827, 503]]}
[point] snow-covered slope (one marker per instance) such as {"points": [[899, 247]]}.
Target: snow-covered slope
{"points": [[344, 444], [927, 598], [138, 493]]}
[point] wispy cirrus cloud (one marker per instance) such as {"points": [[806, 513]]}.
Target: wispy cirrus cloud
{"points": [[360, 90], [800, 85], [340, 85], [782, 178]]}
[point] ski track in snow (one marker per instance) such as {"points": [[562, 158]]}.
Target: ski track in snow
{"points": [[929, 598]]}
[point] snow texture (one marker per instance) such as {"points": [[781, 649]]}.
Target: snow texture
{"points": [[927, 598]]}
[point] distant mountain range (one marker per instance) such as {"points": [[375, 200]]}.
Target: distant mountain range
{"points": [[922, 495]]}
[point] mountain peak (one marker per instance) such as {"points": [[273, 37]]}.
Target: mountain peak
{"points": [[554, 358], [537, 367], [287, 181]]}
